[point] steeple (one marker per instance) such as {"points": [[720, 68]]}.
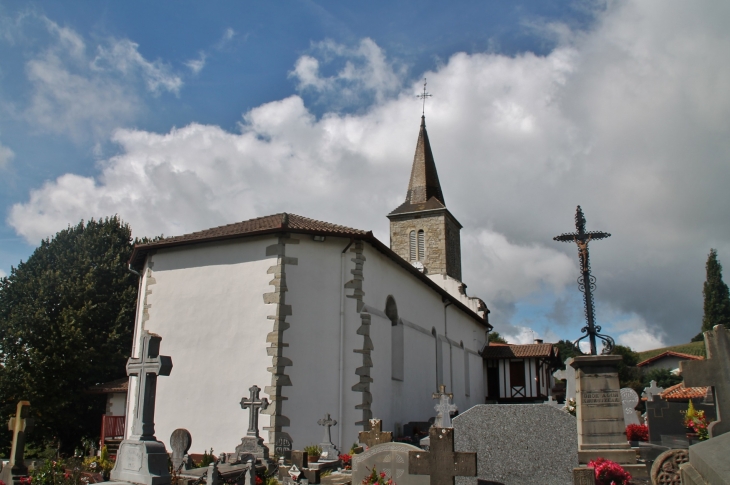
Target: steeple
{"points": [[422, 230]]}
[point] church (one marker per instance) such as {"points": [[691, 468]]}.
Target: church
{"points": [[325, 319]]}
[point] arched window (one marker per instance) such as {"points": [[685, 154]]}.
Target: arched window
{"points": [[421, 246], [396, 340], [412, 240]]}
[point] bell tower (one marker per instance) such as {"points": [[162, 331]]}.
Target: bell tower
{"points": [[422, 230]]}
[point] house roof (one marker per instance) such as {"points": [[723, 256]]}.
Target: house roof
{"points": [[119, 385], [292, 223], [669, 353], [510, 351], [680, 393]]}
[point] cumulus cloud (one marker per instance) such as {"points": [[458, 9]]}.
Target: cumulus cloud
{"points": [[626, 120], [6, 154], [3, 274]]}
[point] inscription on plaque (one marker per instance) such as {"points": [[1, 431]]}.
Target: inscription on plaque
{"points": [[597, 398], [133, 461]]}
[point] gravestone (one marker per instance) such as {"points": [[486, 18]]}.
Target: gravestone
{"points": [[519, 443], [715, 372], [666, 419], [141, 458], [584, 476], [552, 402], [442, 463], [180, 442], [20, 424], [665, 469], [708, 462], [329, 450], [443, 408], [629, 400], [253, 443], [651, 391], [212, 476], [375, 436], [391, 458], [569, 375]]}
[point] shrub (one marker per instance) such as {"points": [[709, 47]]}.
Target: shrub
{"points": [[313, 451], [637, 432], [609, 472]]}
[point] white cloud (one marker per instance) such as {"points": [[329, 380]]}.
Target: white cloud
{"points": [[3, 274], [196, 65], [629, 120], [6, 155], [227, 36]]}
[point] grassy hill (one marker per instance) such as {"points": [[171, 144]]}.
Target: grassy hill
{"points": [[692, 348]]}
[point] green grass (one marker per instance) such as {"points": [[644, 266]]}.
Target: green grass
{"points": [[692, 348]]}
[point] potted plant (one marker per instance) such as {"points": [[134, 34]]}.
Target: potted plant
{"points": [[313, 452]]}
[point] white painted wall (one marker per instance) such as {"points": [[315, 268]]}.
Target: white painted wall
{"points": [[116, 404]]}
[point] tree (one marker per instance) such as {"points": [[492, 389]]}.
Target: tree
{"points": [[496, 338], [565, 350], [628, 374], [663, 378], [716, 296], [66, 323]]}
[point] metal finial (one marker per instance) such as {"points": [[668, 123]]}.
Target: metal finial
{"points": [[423, 96]]}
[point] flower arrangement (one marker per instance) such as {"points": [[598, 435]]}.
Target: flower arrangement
{"points": [[637, 432], [346, 461], [313, 452], [569, 406], [376, 478], [99, 464], [696, 421], [609, 472]]}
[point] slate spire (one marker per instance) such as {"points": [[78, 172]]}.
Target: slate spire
{"points": [[424, 182]]}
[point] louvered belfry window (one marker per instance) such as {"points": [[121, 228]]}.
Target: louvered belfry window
{"points": [[421, 245], [412, 238]]}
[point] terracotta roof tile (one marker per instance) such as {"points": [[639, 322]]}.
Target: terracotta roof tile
{"points": [[669, 353], [508, 351], [679, 392], [119, 385]]}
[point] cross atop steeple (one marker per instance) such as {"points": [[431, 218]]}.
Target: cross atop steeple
{"points": [[423, 96]]}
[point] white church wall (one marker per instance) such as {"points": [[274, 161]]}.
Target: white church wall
{"points": [[206, 302]]}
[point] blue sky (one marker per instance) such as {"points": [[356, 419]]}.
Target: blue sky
{"points": [[186, 115]]}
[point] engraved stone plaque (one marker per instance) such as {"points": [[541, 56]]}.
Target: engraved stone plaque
{"points": [[132, 458], [601, 397]]}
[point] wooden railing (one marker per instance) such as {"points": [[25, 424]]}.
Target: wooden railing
{"points": [[112, 427]]}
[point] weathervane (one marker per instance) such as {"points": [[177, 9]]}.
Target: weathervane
{"points": [[587, 282], [423, 96]]}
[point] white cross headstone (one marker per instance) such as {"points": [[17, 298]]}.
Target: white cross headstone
{"points": [[443, 408], [629, 400], [651, 391], [329, 450], [552, 402], [569, 375]]}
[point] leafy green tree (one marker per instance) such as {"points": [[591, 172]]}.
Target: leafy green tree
{"points": [[66, 323], [565, 350], [496, 338], [716, 296], [628, 374], [663, 377]]}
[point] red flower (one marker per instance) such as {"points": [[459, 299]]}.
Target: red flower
{"points": [[259, 481], [609, 473]]}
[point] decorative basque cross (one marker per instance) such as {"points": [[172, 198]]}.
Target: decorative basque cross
{"points": [[441, 461], [651, 391], [444, 407], [327, 422], [715, 372], [147, 367], [19, 424], [256, 405], [375, 436], [423, 96], [586, 282]]}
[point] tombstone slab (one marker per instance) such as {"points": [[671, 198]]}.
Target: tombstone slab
{"points": [[141, 458], [391, 458], [629, 400], [180, 442], [708, 462], [519, 443], [715, 372], [20, 424]]}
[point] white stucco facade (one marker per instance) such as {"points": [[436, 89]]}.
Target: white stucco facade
{"points": [[207, 303]]}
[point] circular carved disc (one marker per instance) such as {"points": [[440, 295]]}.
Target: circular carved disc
{"points": [[665, 470]]}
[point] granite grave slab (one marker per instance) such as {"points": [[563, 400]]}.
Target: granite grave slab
{"points": [[391, 458]]}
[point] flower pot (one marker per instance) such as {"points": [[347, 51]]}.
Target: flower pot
{"points": [[312, 459]]}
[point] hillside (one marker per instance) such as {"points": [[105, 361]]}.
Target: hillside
{"points": [[692, 348]]}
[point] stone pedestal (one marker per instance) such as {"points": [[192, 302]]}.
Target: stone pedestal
{"points": [[142, 462], [255, 446], [599, 410]]}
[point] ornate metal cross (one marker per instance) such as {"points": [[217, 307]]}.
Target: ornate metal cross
{"points": [[256, 405], [423, 96], [147, 367], [375, 436], [441, 462], [587, 282]]}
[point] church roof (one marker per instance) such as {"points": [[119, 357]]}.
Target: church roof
{"points": [[287, 222], [424, 188]]}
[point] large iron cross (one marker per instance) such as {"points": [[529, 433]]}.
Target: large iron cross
{"points": [[256, 405], [375, 436], [715, 372], [423, 96], [147, 367], [586, 282], [441, 461], [20, 424]]}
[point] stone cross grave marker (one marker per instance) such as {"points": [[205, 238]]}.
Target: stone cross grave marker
{"points": [[252, 442], [443, 408], [180, 442], [715, 372], [20, 424], [141, 458], [569, 375], [329, 450], [375, 436], [651, 391], [390, 458], [441, 462], [629, 400], [552, 402]]}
